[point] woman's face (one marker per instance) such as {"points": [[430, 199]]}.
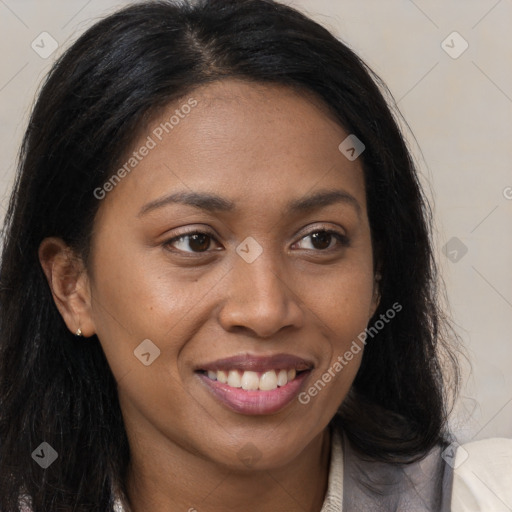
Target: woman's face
{"points": [[263, 283]]}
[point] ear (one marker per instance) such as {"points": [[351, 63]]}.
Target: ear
{"points": [[69, 284]]}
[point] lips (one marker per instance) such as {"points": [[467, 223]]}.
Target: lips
{"points": [[247, 362], [255, 384]]}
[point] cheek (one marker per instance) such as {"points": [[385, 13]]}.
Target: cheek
{"points": [[344, 311], [344, 306], [141, 308], [127, 302], [139, 296], [131, 291], [343, 299]]}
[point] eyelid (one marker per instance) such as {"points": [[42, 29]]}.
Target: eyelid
{"points": [[323, 227]]}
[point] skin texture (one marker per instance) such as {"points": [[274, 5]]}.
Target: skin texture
{"points": [[259, 146]]}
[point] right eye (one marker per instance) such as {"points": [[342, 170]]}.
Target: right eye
{"points": [[197, 241]]}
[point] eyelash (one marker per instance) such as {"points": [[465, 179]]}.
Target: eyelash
{"points": [[342, 239]]}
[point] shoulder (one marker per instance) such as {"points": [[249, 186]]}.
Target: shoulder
{"points": [[482, 479]]}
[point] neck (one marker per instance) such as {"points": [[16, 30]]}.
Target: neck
{"points": [[174, 479]]}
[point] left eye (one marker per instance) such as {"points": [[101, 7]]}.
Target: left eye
{"points": [[323, 237]]}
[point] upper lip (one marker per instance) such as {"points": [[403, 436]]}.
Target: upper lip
{"points": [[258, 363]]}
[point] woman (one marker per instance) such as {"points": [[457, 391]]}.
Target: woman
{"points": [[218, 289]]}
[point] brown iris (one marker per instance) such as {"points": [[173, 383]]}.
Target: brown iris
{"points": [[199, 242], [322, 238]]}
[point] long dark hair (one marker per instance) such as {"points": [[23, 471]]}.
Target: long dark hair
{"points": [[60, 390]]}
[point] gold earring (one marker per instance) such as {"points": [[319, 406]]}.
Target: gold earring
{"points": [[78, 332]]}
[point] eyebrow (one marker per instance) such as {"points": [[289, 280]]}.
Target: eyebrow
{"points": [[214, 203]]}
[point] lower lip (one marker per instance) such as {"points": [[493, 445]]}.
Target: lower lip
{"points": [[255, 402]]}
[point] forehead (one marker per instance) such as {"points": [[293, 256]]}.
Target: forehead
{"points": [[242, 140]]}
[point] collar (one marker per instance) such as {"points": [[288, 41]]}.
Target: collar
{"points": [[334, 498]]}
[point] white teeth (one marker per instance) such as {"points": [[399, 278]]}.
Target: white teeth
{"points": [[268, 381], [221, 376], [234, 379], [282, 378], [252, 381]]}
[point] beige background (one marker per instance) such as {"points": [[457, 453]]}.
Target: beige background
{"points": [[459, 109]]}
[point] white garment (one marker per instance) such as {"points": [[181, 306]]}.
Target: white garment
{"points": [[483, 481]]}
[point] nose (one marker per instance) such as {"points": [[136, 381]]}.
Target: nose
{"points": [[260, 299]]}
